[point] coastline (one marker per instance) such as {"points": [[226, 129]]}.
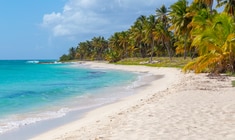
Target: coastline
{"points": [[177, 106]]}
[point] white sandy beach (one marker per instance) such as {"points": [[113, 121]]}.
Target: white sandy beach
{"points": [[177, 106]]}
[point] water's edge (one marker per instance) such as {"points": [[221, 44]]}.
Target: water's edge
{"points": [[30, 130]]}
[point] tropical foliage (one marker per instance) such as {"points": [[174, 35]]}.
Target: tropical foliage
{"points": [[216, 46], [193, 30]]}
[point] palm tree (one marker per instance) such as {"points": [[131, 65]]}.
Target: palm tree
{"points": [[162, 26], [81, 51], [114, 52], [180, 20], [208, 3], [216, 46], [199, 4], [162, 14], [124, 43], [137, 35], [229, 6], [84, 50], [200, 21], [72, 52], [150, 34], [100, 45]]}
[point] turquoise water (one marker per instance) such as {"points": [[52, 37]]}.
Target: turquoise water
{"points": [[30, 92]]}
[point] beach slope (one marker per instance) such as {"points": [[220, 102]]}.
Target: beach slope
{"points": [[176, 106]]}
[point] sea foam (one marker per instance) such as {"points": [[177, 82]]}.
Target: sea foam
{"points": [[33, 61], [17, 121], [31, 93]]}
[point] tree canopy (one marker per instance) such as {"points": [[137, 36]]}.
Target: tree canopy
{"points": [[193, 30]]}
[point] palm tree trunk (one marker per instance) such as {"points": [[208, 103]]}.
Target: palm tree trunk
{"points": [[167, 48], [211, 10], [232, 61], [140, 50], [185, 45], [152, 48]]}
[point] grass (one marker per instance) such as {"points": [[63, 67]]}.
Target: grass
{"points": [[177, 62], [233, 75], [233, 83]]}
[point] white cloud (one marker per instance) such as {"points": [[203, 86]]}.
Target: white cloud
{"points": [[97, 16], [52, 18]]}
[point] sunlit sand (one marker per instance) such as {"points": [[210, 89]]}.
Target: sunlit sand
{"points": [[177, 106]]}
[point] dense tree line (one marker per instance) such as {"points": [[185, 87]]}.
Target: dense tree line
{"points": [[183, 29]]}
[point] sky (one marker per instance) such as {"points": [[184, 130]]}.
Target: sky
{"points": [[46, 29]]}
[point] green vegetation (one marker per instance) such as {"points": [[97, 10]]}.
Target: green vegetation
{"points": [[185, 30], [177, 62], [233, 83]]}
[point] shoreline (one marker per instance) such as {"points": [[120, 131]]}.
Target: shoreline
{"points": [[45, 125], [177, 106], [78, 107], [169, 75]]}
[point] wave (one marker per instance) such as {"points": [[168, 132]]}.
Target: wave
{"points": [[33, 61], [56, 62], [110, 89], [43, 62], [16, 121]]}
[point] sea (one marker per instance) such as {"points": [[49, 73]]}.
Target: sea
{"points": [[36, 90]]}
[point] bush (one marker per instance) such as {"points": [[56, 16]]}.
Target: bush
{"points": [[65, 57]]}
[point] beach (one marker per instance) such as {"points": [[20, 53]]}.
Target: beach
{"points": [[176, 106]]}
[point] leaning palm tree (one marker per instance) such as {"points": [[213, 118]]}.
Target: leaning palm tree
{"points": [[216, 46], [200, 21], [180, 19]]}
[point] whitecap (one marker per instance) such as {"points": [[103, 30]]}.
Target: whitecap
{"points": [[33, 61]]}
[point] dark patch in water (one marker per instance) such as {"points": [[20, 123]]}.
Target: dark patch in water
{"points": [[95, 74], [20, 94], [59, 84]]}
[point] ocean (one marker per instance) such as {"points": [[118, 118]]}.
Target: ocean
{"points": [[32, 91]]}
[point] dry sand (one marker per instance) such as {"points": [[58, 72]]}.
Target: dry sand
{"points": [[176, 107]]}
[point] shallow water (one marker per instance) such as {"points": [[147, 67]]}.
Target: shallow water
{"points": [[31, 92]]}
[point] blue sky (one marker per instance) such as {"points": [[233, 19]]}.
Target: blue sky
{"points": [[46, 29]]}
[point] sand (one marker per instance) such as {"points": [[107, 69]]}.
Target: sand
{"points": [[178, 106]]}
